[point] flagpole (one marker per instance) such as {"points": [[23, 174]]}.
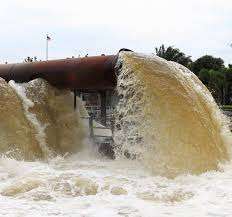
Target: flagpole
{"points": [[47, 47]]}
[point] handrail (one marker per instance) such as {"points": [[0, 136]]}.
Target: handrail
{"points": [[91, 128]]}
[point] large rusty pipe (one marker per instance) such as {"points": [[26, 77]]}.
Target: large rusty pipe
{"points": [[88, 73]]}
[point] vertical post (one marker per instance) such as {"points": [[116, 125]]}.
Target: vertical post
{"points": [[75, 98], [47, 47], [103, 107], [78, 94], [91, 133], [111, 113]]}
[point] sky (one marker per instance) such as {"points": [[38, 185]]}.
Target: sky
{"points": [[78, 27]]}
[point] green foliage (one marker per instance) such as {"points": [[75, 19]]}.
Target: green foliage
{"points": [[227, 107], [210, 70], [173, 54], [207, 62], [219, 82]]}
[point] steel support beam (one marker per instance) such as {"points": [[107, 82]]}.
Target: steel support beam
{"points": [[103, 107]]}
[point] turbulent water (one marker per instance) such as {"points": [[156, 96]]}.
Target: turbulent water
{"points": [[172, 148], [168, 118]]}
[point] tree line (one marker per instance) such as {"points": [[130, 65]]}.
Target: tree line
{"points": [[210, 70]]}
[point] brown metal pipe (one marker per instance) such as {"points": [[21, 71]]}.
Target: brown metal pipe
{"points": [[87, 74]]}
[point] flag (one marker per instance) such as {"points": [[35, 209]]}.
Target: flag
{"points": [[48, 38]]}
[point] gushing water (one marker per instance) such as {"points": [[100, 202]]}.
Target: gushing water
{"points": [[167, 118], [167, 125], [31, 117]]}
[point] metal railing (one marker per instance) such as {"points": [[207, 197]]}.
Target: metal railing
{"points": [[92, 135]]}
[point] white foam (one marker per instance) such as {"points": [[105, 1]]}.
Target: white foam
{"points": [[39, 127], [53, 190], [167, 118]]}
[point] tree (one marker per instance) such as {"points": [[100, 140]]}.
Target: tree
{"points": [[173, 54], [219, 82], [207, 62], [228, 86], [30, 59]]}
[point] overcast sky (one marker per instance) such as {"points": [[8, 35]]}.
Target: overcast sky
{"points": [[77, 27]]}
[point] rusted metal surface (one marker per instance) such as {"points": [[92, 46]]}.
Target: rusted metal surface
{"points": [[88, 73]]}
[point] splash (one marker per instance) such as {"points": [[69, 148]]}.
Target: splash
{"points": [[38, 121], [17, 135], [64, 131], [167, 118], [40, 128]]}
